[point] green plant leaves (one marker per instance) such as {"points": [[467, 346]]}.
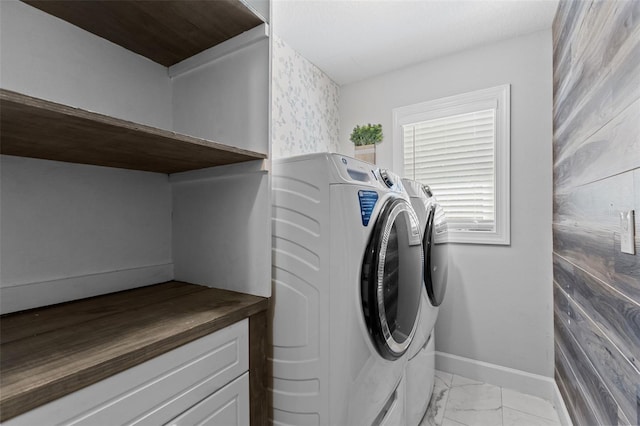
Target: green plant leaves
{"points": [[368, 134]]}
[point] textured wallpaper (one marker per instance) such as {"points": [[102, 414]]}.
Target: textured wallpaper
{"points": [[305, 105]]}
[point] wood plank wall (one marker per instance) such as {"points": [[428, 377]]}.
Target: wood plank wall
{"points": [[596, 72]]}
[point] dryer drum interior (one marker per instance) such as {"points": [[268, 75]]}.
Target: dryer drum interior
{"points": [[391, 279]]}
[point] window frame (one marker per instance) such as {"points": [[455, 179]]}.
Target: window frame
{"points": [[498, 97]]}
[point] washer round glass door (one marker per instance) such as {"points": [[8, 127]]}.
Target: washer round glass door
{"points": [[436, 255], [391, 279]]}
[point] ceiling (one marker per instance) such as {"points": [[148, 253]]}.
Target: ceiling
{"points": [[352, 40]]}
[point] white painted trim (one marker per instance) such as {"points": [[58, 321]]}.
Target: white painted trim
{"points": [[521, 381], [43, 293], [498, 97], [220, 172], [561, 408], [221, 50]]}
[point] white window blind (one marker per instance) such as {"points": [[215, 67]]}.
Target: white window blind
{"points": [[454, 155], [459, 147]]}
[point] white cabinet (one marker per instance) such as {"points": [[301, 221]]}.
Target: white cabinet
{"points": [[229, 406], [203, 380]]}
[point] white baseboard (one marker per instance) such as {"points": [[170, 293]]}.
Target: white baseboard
{"points": [[521, 381], [561, 408], [43, 293]]}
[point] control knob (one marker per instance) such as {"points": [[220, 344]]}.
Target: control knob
{"points": [[386, 178]]}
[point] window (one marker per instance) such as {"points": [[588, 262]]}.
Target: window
{"points": [[459, 147]]}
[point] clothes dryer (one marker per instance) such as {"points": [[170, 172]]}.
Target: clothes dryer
{"points": [[347, 258], [421, 363]]}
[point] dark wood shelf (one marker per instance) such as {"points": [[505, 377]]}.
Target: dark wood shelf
{"points": [[166, 32], [32, 127], [49, 352]]}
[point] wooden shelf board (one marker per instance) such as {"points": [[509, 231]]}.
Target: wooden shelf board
{"points": [[166, 32], [49, 352], [32, 127]]}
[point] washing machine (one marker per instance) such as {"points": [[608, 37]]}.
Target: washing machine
{"points": [[347, 280], [421, 355]]}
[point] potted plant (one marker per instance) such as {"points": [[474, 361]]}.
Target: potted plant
{"points": [[365, 138]]}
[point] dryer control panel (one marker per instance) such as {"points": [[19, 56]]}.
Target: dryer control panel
{"points": [[386, 178], [391, 180], [356, 171]]}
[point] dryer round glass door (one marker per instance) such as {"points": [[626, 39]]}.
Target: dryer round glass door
{"points": [[436, 255], [391, 279]]}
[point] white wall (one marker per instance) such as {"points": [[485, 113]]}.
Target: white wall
{"points": [[498, 307], [227, 99], [73, 230], [45, 57], [221, 216], [222, 227], [69, 230]]}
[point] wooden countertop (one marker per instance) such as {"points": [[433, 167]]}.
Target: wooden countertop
{"points": [[49, 352]]}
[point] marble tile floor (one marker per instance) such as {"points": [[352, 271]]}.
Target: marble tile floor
{"points": [[458, 401]]}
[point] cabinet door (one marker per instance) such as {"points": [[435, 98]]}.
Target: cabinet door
{"points": [[229, 406], [155, 391]]}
